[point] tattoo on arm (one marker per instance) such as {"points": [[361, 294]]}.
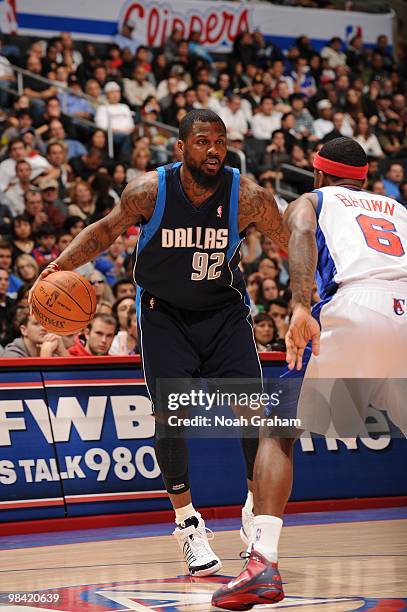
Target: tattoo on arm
{"points": [[137, 203], [302, 249], [259, 207]]}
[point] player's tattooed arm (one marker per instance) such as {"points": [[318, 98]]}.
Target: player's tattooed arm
{"points": [[301, 220], [136, 204], [259, 207]]}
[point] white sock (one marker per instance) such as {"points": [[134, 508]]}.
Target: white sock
{"points": [[249, 502], [181, 514], [267, 529]]}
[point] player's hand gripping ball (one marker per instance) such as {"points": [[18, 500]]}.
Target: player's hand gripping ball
{"points": [[63, 302]]}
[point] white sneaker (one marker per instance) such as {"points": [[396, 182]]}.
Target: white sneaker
{"points": [[247, 528], [193, 540]]}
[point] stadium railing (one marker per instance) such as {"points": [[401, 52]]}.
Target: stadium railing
{"points": [[280, 185]]}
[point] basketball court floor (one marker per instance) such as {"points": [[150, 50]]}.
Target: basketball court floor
{"points": [[329, 561]]}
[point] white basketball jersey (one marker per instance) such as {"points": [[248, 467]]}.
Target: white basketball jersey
{"points": [[360, 235]]}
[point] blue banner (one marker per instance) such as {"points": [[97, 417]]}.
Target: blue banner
{"points": [[78, 440]]}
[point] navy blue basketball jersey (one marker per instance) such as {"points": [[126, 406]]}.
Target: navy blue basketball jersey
{"points": [[188, 256]]}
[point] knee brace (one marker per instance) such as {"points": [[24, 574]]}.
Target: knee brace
{"points": [[249, 446], [172, 458]]}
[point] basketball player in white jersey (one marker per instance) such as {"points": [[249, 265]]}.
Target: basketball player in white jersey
{"points": [[355, 244]]}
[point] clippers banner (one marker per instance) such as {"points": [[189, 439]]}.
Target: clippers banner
{"points": [[218, 22]]}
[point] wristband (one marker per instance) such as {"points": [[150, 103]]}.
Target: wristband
{"points": [[55, 266]]}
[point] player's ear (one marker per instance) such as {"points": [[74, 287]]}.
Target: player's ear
{"points": [[318, 178], [180, 146]]}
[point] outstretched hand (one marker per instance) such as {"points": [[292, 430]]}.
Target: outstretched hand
{"points": [[46, 272], [303, 328]]}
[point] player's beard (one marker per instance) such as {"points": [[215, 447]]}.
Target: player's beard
{"points": [[200, 177]]}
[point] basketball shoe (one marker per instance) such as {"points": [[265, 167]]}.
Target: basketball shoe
{"points": [[258, 583], [193, 540], [247, 528]]}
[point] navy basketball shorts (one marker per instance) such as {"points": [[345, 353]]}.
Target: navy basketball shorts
{"points": [[184, 344]]}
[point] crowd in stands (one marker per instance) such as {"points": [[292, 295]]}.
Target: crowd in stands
{"points": [[279, 107]]}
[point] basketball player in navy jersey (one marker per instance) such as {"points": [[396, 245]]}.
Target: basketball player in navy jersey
{"points": [[192, 306]]}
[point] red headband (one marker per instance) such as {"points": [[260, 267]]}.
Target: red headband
{"points": [[342, 170]]}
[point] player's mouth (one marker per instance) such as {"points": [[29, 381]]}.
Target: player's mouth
{"points": [[212, 163]]}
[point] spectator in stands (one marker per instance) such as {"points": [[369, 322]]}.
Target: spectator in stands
{"points": [[278, 311], [114, 114], [22, 240], [102, 289], [170, 47], [355, 54], [98, 141], [60, 169], [82, 203], [121, 310], [5, 305], [264, 332], [119, 178], [304, 121], [53, 110], [94, 91], [110, 264], [63, 239], [275, 155], [46, 250], [278, 76], [57, 132], [27, 268], [55, 208], [124, 288], [378, 188], [38, 91], [6, 78], [22, 121], [204, 98], [399, 106], [323, 125], [15, 193], [140, 161], [127, 38], [333, 53], [87, 165], [97, 338], [17, 152], [5, 264], [138, 88], [31, 340], [265, 122], [394, 177], [126, 344], [233, 116], [303, 79], [382, 48], [74, 225], [256, 92], [34, 208], [342, 127], [268, 291], [68, 52], [403, 193], [391, 138], [366, 138], [74, 104]]}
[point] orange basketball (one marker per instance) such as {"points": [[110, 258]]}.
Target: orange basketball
{"points": [[64, 302]]}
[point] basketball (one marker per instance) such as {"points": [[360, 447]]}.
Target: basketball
{"points": [[63, 302]]}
